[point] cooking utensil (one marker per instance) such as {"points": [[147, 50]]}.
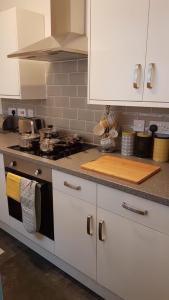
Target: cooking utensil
{"points": [[129, 170], [48, 144], [26, 139], [48, 132]]}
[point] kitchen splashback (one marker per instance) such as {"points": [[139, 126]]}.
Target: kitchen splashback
{"points": [[66, 104]]}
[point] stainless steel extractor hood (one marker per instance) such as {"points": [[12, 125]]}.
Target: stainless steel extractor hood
{"points": [[67, 41]]}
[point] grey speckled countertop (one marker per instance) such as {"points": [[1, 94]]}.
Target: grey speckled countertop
{"points": [[155, 188]]}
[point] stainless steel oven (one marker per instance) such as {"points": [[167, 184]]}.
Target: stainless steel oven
{"points": [[41, 174]]}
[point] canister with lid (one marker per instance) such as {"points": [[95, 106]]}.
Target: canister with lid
{"points": [[161, 148], [127, 143], [143, 144]]}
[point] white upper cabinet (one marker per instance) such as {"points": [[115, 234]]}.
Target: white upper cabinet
{"points": [[128, 52], [157, 60], [118, 31], [20, 79]]}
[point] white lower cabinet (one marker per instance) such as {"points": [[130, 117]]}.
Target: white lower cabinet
{"points": [[118, 239], [75, 232], [4, 215], [74, 201], [133, 259]]}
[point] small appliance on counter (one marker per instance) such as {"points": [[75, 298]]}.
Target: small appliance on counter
{"points": [[8, 123], [25, 124]]}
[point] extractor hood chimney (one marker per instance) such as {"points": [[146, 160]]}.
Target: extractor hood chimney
{"points": [[68, 39]]}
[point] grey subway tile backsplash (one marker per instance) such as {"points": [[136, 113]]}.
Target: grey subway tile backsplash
{"points": [[82, 91], [78, 78], [77, 125], [69, 113], [78, 102], [66, 105], [86, 114]]}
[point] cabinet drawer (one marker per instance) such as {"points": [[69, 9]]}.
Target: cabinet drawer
{"points": [[156, 215], [74, 186]]}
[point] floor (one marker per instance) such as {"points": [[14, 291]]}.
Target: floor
{"points": [[27, 276]]}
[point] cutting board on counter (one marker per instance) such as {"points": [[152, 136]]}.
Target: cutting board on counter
{"points": [[122, 168]]}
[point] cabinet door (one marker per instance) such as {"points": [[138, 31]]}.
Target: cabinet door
{"points": [[72, 242], [133, 259], [4, 215], [9, 69], [9, 74], [157, 62], [8, 30], [117, 49]]}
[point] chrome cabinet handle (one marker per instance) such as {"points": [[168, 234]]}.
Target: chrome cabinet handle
{"points": [[101, 236], [71, 186], [136, 77], [150, 76], [89, 225], [135, 210], [12, 164], [38, 172]]}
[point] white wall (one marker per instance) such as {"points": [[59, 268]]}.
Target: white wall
{"points": [[40, 6]]}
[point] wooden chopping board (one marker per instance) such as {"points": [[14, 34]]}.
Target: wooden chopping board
{"points": [[122, 168]]}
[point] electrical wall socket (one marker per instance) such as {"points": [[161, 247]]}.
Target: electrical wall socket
{"points": [[21, 112], [163, 127], [139, 125], [30, 113], [10, 109]]}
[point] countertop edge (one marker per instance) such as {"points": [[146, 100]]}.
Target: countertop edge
{"points": [[119, 186], [123, 188]]}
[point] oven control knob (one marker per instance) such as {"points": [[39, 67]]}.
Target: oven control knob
{"points": [[12, 164], [38, 172]]}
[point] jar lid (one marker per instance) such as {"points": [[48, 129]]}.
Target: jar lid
{"points": [[161, 136], [128, 133], [144, 134]]}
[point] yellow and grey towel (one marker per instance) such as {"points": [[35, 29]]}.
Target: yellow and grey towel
{"points": [[30, 211], [13, 186]]}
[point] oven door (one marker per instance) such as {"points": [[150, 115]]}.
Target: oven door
{"points": [[47, 223]]}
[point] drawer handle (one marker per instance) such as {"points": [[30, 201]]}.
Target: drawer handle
{"points": [[89, 225], [71, 186], [135, 210], [101, 225]]}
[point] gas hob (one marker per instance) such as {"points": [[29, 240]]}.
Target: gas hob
{"points": [[59, 152]]}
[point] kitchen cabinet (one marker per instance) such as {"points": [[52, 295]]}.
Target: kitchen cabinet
{"points": [[157, 52], [4, 215], [132, 261], [75, 222], [20, 79], [128, 52]]}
